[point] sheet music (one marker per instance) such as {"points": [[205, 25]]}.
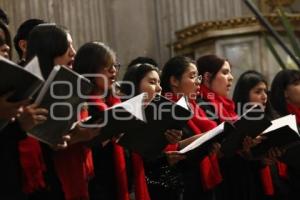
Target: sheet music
{"points": [[205, 137], [289, 120], [34, 67], [134, 106], [183, 103]]}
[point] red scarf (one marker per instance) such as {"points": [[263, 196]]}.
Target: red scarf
{"points": [[224, 107], [74, 166], [119, 156], [32, 165], [141, 189], [292, 109], [209, 166], [282, 167], [267, 180], [226, 112]]}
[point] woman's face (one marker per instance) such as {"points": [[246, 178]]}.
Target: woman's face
{"points": [[4, 48], [292, 94], [106, 76], [189, 83], [222, 82], [150, 84], [258, 94], [67, 58]]}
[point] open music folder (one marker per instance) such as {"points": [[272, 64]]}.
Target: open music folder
{"points": [[140, 127], [283, 133], [21, 83], [231, 135], [62, 95]]}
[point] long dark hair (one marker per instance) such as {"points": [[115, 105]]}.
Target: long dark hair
{"points": [[210, 63], [23, 33], [176, 67], [280, 82], [92, 57], [246, 82], [47, 41]]}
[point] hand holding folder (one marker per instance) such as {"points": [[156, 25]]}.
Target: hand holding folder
{"points": [[62, 94], [283, 134], [231, 135], [17, 86]]}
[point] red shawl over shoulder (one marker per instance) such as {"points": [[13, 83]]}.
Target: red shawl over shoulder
{"points": [[209, 166], [226, 112], [74, 166], [224, 107], [119, 156], [32, 164], [294, 110]]}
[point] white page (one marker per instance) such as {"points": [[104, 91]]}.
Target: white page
{"points": [[47, 84], [34, 67], [182, 102], [289, 120], [134, 106], [205, 137]]}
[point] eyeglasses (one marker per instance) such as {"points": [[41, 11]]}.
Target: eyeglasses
{"points": [[117, 66], [198, 78]]}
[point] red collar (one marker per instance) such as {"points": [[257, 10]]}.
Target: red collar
{"points": [[294, 110], [224, 107]]}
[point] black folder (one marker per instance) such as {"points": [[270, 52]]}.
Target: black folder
{"points": [[291, 156], [282, 137], [160, 115], [145, 134], [63, 95], [252, 123], [14, 78], [124, 117]]}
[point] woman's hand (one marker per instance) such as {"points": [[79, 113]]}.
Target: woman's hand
{"points": [[216, 149], [272, 156], [174, 157], [78, 134], [9, 110], [249, 143], [32, 115], [82, 134], [63, 144], [173, 136]]}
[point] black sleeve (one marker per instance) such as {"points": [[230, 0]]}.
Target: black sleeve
{"points": [[161, 160], [14, 131]]}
